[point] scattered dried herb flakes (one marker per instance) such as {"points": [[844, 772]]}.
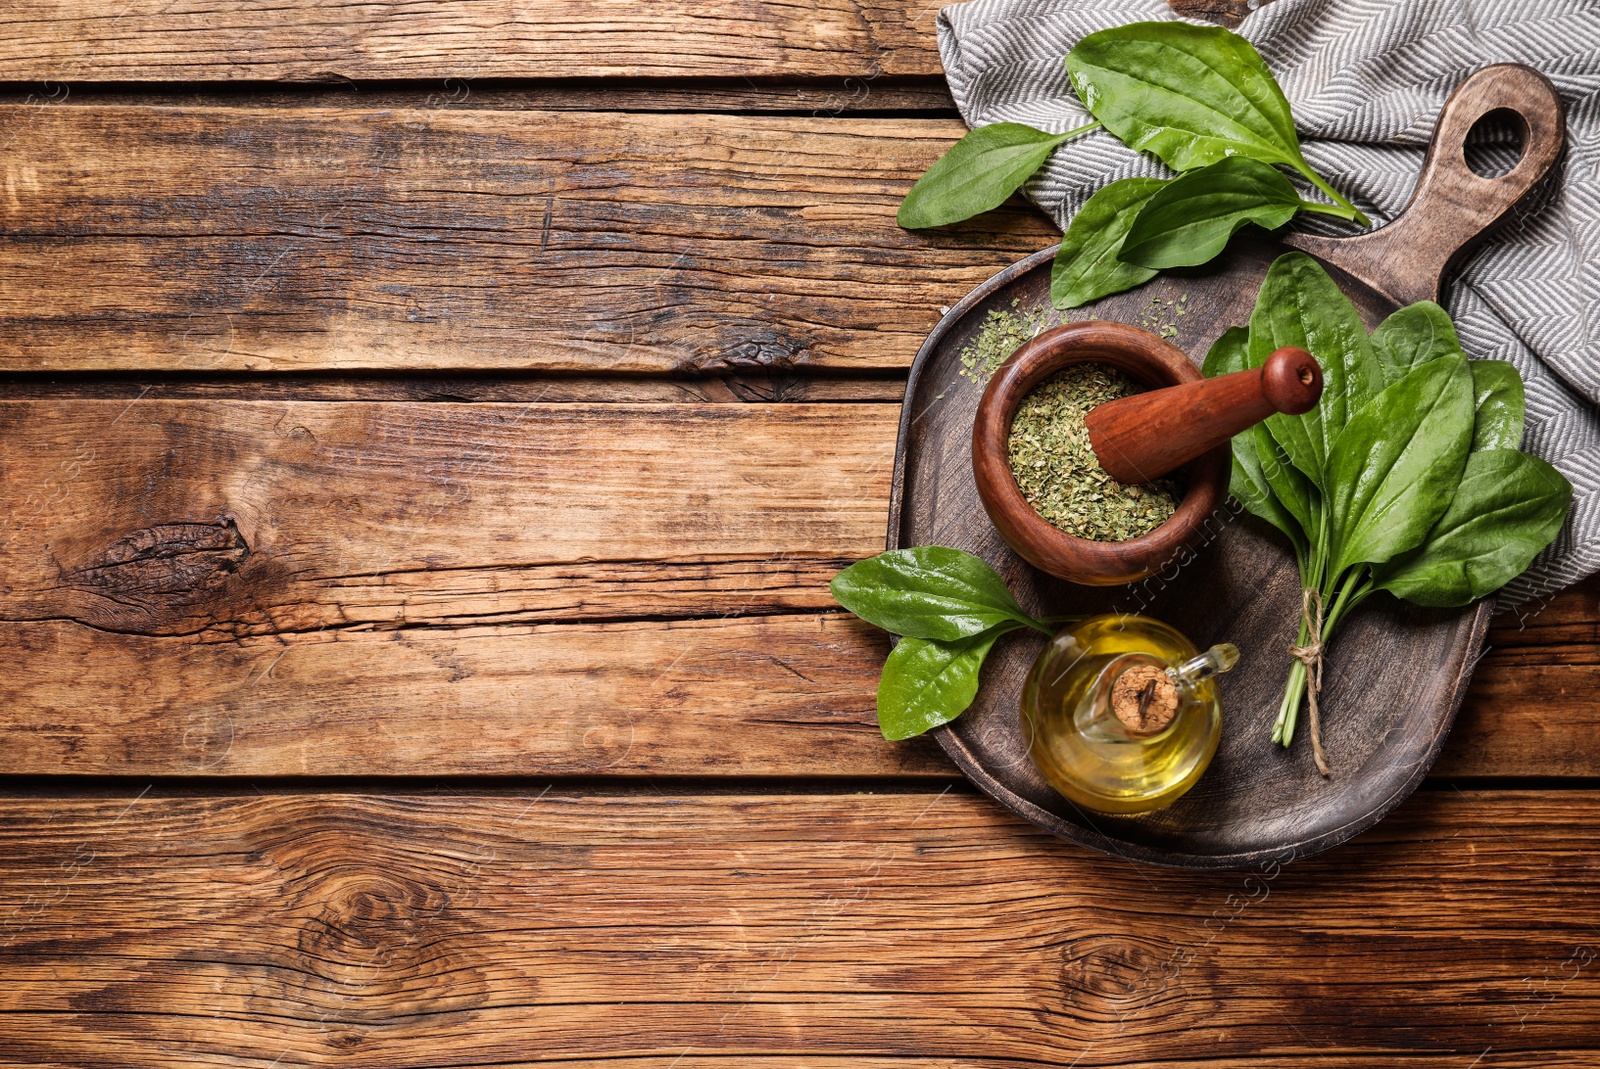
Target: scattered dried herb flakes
{"points": [[1002, 334], [1056, 469], [1162, 315]]}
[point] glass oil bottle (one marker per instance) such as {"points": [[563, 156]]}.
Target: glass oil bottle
{"points": [[1121, 713]]}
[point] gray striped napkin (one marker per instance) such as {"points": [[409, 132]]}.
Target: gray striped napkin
{"points": [[1366, 79]]}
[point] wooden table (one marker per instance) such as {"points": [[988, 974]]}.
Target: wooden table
{"points": [[427, 432]]}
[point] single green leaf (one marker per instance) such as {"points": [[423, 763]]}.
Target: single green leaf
{"points": [[1189, 221], [1228, 354], [1394, 468], [925, 684], [1249, 482], [978, 173], [1189, 95], [1413, 335], [1289, 484], [1300, 305], [1499, 402], [930, 592], [1509, 506], [1086, 266]]}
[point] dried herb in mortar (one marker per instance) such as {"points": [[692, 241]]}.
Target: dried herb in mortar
{"points": [[1056, 469]]}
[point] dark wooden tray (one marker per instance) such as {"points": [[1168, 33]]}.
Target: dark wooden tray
{"points": [[1396, 672]]}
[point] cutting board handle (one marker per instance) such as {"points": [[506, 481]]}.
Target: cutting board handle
{"points": [[1452, 208]]}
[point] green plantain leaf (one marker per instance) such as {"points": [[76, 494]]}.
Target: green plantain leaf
{"points": [[925, 684], [1189, 95], [1509, 506], [978, 173], [931, 592], [1498, 399], [1394, 468], [1228, 353], [1413, 335], [1189, 221], [1086, 266], [1249, 482], [1289, 484], [1300, 305]]}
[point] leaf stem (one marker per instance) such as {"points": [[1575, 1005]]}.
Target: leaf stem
{"points": [[1352, 593], [1342, 594], [1062, 137], [1288, 709], [1318, 181], [1347, 214]]}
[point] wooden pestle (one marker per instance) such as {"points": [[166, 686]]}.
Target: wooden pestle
{"points": [[1143, 437]]}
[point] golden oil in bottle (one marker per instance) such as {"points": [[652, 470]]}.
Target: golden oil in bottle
{"points": [[1120, 712]]}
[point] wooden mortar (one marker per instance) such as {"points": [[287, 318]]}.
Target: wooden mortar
{"points": [[1183, 419]]}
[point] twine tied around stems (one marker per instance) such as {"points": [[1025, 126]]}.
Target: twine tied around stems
{"points": [[1310, 655]]}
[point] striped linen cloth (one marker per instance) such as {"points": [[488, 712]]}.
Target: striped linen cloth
{"points": [[1366, 79]]}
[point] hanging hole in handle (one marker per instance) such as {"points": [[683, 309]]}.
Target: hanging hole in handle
{"points": [[1496, 142]]}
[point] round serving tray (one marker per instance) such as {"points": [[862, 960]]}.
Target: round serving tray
{"points": [[1394, 678]]}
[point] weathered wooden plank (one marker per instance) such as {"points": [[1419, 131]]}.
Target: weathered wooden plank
{"points": [[553, 926], [272, 588], [778, 387], [817, 97], [1527, 720], [859, 41], [261, 588], [1531, 709], [739, 696], [227, 239], [1568, 620], [742, 696], [303, 40], [217, 519]]}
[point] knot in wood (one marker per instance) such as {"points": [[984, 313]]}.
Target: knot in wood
{"points": [[360, 926], [374, 919], [1103, 973], [763, 349], [147, 581]]}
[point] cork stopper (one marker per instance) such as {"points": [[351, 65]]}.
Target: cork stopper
{"points": [[1145, 699]]}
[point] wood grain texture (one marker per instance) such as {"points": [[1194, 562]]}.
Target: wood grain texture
{"points": [[779, 387], [303, 40], [764, 696], [218, 520], [231, 588], [1223, 12], [816, 97], [1526, 719], [226, 579], [461, 40], [1563, 627], [646, 930], [227, 239]]}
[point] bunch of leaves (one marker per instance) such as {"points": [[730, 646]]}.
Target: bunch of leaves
{"points": [[1406, 477], [1198, 98], [949, 608]]}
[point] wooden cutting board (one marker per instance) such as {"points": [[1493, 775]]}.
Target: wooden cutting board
{"points": [[1396, 672]]}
